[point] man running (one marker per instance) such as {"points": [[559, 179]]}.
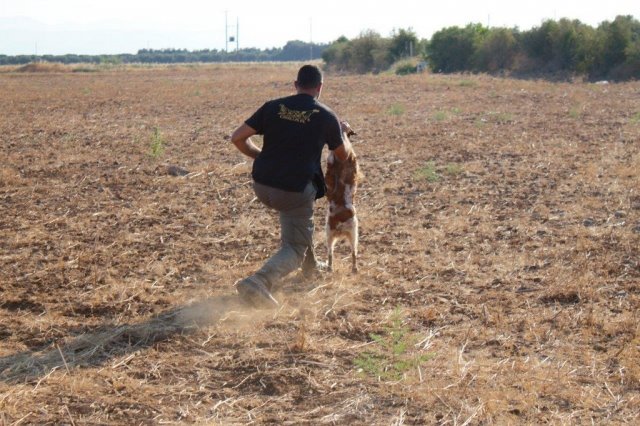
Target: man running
{"points": [[288, 176]]}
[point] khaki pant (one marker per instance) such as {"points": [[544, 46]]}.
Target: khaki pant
{"points": [[296, 232]]}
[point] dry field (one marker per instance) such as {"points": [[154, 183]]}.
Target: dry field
{"points": [[500, 235]]}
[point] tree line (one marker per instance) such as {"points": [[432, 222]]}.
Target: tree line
{"points": [[565, 47], [295, 50]]}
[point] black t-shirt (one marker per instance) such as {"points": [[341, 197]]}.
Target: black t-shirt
{"points": [[295, 130]]}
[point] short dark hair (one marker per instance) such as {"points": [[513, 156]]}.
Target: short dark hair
{"points": [[309, 77]]}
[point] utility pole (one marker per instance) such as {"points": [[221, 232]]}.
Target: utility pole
{"points": [[310, 39], [226, 34], [237, 34]]}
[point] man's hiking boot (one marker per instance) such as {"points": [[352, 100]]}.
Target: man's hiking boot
{"points": [[255, 293]]}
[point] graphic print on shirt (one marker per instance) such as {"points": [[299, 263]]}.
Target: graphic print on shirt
{"points": [[297, 116]]}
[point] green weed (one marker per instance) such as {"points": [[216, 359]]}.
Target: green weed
{"points": [[428, 172], [453, 169], [575, 111], [636, 118], [157, 144], [396, 109], [503, 117], [392, 357], [494, 117], [439, 115]]}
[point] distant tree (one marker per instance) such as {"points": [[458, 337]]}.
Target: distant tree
{"points": [[632, 63], [297, 50], [404, 43], [453, 49], [618, 43], [617, 35], [110, 60], [537, 43], [369, 52], [334, 55], [497, 50], [565, 45]]}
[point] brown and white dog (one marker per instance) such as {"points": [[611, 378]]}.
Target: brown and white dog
{"points": [[341, 179]]}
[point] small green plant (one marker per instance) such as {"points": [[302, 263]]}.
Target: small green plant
{"points": [[495, 118], [575, 111], [636, 118], [439, 115], [453, 169], [428, 172], [392, 357], [396, 109], [502, 117], [157, 144]]}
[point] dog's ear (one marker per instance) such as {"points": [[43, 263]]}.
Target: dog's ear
{"points": [[351, 133]]}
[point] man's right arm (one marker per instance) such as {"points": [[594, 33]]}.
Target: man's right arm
{"points": [[241, 138]]}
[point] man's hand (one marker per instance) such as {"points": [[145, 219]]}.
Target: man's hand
{"points": [[241, 138]]}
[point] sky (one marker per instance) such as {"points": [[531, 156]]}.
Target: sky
{"points": [[59, 27]]}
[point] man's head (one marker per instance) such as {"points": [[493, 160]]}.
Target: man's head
{"points": [[309, 80]]}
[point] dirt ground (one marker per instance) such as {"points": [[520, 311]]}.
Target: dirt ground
{"points": [[499, 269]]}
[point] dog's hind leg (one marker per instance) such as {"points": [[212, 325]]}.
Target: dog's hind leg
{"points": [[353, 239], [331, 242]]}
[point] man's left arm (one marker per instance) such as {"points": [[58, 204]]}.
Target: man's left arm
{"points": [[241, 138]]}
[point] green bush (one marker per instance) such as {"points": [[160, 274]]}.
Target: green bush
{"points": [[454, 49], [370, 52], [497, 50], [403, 44], [406, 67]]}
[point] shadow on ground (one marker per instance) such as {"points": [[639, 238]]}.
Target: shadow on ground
{"points": [[97, 348]]}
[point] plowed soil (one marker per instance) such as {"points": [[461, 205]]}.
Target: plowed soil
{"points": [[499, 268]]}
